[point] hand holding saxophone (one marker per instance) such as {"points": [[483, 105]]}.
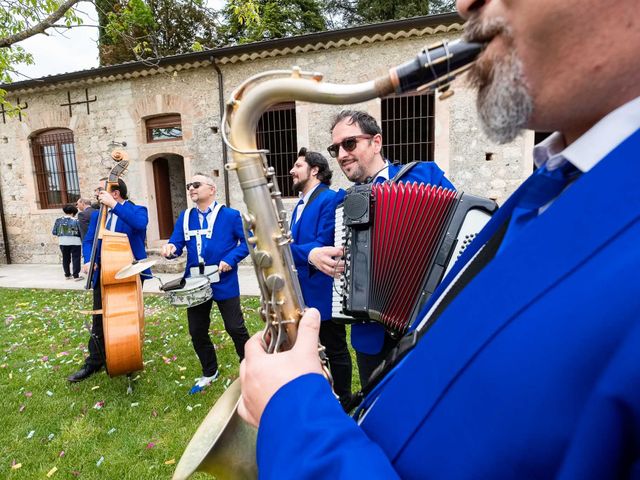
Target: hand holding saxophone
{"points": [[262, 374]]}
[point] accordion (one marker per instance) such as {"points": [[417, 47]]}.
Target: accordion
{"points": [[400, 240]]}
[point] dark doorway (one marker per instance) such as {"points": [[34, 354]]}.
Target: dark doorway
{"points": [[163, 197]]}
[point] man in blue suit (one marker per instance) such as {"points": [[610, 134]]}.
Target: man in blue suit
{"points": [[527, 364], [123, 217], [212, 235], [312, 226], [357, 146]]}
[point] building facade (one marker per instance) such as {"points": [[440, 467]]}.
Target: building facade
{"points": [[167, 116]]}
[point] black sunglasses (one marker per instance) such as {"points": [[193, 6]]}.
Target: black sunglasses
{"points": [[197, 184], [349, 144]]}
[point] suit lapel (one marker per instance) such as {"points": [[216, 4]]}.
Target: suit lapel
{"points": [[549, 249]]}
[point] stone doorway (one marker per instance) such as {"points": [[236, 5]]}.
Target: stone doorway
{"points": [[169, 180]]}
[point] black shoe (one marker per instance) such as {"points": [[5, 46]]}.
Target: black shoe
{"points": [[82, 374]]}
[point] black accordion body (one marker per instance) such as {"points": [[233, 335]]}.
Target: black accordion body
{"points": [[400, 240]]}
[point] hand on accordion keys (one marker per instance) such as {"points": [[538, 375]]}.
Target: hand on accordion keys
{"points": [[328, 260], [262, 374]]}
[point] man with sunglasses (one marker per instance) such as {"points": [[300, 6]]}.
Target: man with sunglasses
{"points": [[213, 236], [528, 363], [357, 146], [312, 225]]}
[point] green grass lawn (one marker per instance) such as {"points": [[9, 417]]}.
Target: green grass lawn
{"points": [[94, 429]]}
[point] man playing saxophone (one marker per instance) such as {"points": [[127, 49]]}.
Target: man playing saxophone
{"points": [[527, 363]]}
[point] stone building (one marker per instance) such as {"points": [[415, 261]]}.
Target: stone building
{"points": [[168, 113]]}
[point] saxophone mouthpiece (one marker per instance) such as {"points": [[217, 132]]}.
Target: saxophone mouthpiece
{"points": [[435, 67]]}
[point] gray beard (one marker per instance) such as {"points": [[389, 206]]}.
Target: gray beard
{"points": [[504, 103]]}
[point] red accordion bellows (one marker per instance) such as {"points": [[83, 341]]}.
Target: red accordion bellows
{"points": [[409, 223]]}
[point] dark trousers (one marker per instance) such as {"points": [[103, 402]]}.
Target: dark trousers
{"points": [[97, 357], [368, 363], [199, 322], [70, 254], [334, 338]]}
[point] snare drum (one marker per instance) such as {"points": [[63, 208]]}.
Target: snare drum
{"points": [[196, 290]]}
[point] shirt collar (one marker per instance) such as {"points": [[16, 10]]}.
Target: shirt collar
{"points": [[384, 173], [209, 209], [595, 144], [306, 198]]}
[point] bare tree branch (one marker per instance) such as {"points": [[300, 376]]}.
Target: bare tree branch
{"points": [[39, 27]]}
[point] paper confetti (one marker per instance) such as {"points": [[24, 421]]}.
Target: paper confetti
{"points": [[170, 462], [50, 393], [30, 435], [111, 431], [16, 466], [99, 462], [50, 437], [98, 405], [151, 445], [135, 404], [52, 471], [95, 387], [61, 454]]}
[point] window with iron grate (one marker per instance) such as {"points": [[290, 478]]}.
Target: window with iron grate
{"points": [[276, 132], [54, 159], [408, 127], [164, 128]]}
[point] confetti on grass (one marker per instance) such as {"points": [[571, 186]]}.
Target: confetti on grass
{"points": [[99, 462], [170, 462], [30, 435], [111, 431], [52, 471], [16, 466]]}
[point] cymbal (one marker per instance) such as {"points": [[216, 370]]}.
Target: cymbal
{"points": [[134, 268]]}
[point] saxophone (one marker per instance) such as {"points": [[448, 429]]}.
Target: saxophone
{"points": [[224, 445]]}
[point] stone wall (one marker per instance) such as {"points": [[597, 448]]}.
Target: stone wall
{"points": [[118, 115]]}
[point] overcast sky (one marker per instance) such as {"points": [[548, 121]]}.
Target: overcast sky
{"points": [[67, 51]]}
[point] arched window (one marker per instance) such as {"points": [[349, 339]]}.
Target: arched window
{"points": [[54, 158]]}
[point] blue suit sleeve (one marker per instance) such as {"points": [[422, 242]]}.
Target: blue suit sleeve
{"points": [[324, 234], [133, 215], [241, 250], [87, 243], [305, 434], [177, 237]]}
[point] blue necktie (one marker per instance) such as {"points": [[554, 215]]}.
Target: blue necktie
{"points": [[109, 218], [297, 215], [544, 187], [205, 223]]}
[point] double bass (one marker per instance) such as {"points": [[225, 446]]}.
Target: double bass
{"points": [[122, 305]]}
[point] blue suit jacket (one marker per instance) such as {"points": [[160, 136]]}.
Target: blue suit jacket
{"points": [[315, 228], [132, 220], [532, 371], [227, 244], [369, 337]]}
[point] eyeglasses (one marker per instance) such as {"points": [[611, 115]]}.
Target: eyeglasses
{"points": [[349, 144], [197, 184]]}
